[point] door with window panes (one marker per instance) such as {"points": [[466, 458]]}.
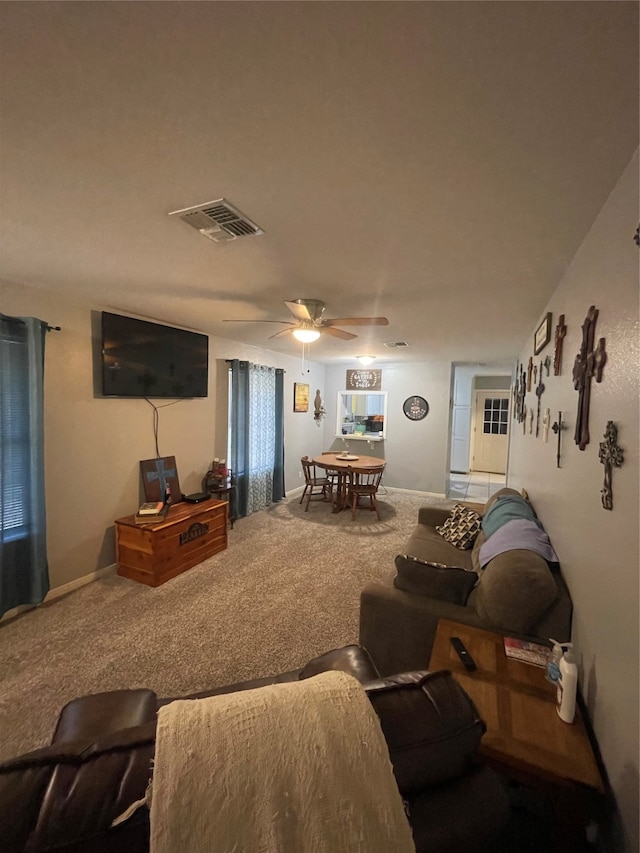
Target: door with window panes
{"points": [[491, 431]]}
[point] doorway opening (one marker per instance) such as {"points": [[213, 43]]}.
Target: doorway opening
{"points": [[478, 461]]}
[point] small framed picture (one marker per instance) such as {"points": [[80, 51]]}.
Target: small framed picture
{"points": [[158, 475], [542, 335], [300, 397]]}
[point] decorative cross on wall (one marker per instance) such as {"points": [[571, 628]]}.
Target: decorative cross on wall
{"points": [[587, 364], [521, 396], [557, 427], [539, 393], [561, 331], [611, 457]]}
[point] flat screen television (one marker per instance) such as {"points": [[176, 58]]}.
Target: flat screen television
{"points": [[143, 359]]}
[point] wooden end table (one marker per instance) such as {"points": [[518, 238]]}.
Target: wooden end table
{"points": [[224, 490], [525, 738]]}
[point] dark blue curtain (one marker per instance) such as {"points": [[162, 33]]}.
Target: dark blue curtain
{"points": [[278, 461], [257, 435], [24, 574], [239, 417]]}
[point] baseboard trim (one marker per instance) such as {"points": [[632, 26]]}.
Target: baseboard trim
{"points": [[78, 582], [62, 590], [439, 495]]}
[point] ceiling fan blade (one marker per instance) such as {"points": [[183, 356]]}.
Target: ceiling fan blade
{"points": [[337, 333], [282, 333], [288, 323], [306, 309], [356, 321]]}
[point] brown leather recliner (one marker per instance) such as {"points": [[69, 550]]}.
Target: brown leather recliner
{"points": [[64, 797]]}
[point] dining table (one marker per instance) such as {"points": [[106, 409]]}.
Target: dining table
{"points": [[340, 464]]}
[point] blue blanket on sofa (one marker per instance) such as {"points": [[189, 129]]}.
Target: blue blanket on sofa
{"points": [[507, 508]]}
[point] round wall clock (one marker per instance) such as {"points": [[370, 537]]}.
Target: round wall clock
{"points": [[415, 408]]}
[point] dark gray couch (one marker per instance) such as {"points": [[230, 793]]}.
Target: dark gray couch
{"points": [[518, 593]]}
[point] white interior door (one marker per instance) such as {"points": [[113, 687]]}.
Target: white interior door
{"points": [[461, 423], [490, 434]]}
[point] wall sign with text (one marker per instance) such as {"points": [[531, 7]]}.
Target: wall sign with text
{"points": [[364, 380]]}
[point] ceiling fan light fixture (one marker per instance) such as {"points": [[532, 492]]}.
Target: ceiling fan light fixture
{"points": [[365, 359], [306, 336]]}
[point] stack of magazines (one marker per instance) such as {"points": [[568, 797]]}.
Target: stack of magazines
{"points": [[151, 512], [523, 650]]}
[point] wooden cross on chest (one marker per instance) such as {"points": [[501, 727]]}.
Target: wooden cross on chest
{"points": [[588, 363]]}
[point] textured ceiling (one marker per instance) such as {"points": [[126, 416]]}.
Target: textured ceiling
{"points": [[437, 163]]}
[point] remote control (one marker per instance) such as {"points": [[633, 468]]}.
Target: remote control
{"points": [[463, 654]]}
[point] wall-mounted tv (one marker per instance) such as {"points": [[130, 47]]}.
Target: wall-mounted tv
{"points": [[143, 359]]}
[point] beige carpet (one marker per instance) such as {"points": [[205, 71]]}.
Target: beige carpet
{"points": [[286, 589]]}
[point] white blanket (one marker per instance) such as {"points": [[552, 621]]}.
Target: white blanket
{"points": [[301, 767]]}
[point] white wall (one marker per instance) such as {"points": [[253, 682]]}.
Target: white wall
{"points": [[415, 451], [598, 549], [93, 446]]}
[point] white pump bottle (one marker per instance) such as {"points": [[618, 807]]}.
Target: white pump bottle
{"points": [[567, 685]]}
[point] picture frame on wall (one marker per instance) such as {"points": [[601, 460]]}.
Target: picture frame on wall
{"points": [[542, 335], [300, 397]]}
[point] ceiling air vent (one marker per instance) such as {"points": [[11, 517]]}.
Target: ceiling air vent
{"points": [[218, 221], [396, 344]]}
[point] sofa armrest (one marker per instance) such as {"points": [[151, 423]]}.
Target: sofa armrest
{"points": [[98, 714], [433, 515], [66, 795], [431, 726], [398, 628]]}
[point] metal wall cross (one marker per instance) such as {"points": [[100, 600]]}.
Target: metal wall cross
{"points": [[611, 457], [557, 427], [587, 364], [561, 331], [539, 393]]}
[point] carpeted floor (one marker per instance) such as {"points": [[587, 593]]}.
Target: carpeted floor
{"points": [[287, 588]]}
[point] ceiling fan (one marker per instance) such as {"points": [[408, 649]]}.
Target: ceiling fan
{"points": [[309, 325]]}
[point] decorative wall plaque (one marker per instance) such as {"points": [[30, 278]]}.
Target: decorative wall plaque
{"points": [[542, 335], [300, 397], [364, 380], [415, 408]]}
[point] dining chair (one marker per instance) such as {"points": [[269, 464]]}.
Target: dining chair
{"points": [[315, 487], [332, 476], [364, 483]]}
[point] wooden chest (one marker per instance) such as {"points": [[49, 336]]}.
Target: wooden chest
{"points": [[155, 553]]}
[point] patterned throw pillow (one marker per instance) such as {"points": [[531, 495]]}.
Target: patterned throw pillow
{"points": [[461, 528]]}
